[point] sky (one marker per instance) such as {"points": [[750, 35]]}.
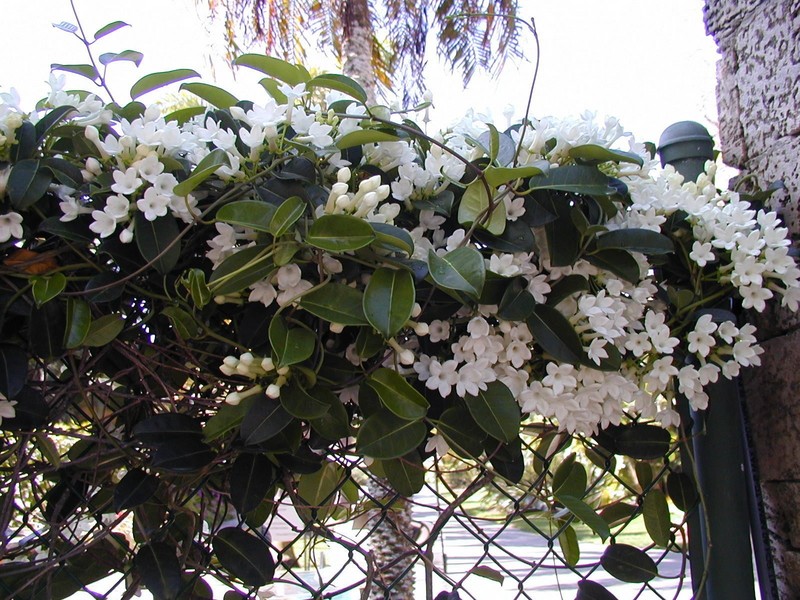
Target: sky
{"points": [[647, 62]]}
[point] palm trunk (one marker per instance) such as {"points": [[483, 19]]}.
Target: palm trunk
{"points": [[357, 45]]}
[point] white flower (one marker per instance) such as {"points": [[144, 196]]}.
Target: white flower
{"points": [[288, 276], [10, 226], [474, 377], [263, 292], [438, 330], [126, 183], [438, 443], [700, 340], [701, 253], [320, 134], [597, 351], [104, 224], [117, 207], [165, 183], [153, 204], [149, 167], [7, 410], [442, 376], [755, 296], [560, 378]]}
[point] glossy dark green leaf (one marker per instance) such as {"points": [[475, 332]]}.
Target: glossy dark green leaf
{"points": [[26, 143], [405, 474], [586, 514], [300, 403], [204, 169], [590, 590], [104, 330], [47, 287], [212, 94], [682, 491], [642, 441], [393, 239], [265, 419], [618, 513], [254, 214], [154, 81], [568, 542], [195, 280], [134, 489], [656, 517], [50, 120], [183, 323], [335, 303], [570, 478], [318, 489], [340, 83], [79, 320], [442, 203], [507, 460], [644, 474], [398, 395], [474, 207], [462, 269], [182, 115], [335, 423], [517, 237], [83, 70], [165, 427], [251, 477], [125, 56], [158, 241], [157, 565], [109, 28], [46, 330], [628, 563], [389, 299], [241, 270], [365, 136], [555, 334], [227, 418], [497, 176], [287, 215], [274, 67], [619, 262], [244, 556], [385, 435], [566, 287], [290, 345], [517, 303], [27, 182], [578, 179], [636, 240], [13, 370], [182, 455], [487, 573], [461, 432], [594, 154], [496, 411], [340, 233]]}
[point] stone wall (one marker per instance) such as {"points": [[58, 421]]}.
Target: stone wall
{"points": [[758, 95]]}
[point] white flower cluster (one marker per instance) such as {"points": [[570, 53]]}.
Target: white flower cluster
{"points": [[366, 203], [254, 368]]}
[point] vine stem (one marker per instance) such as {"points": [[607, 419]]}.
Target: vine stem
{"points": [[82, 37]]}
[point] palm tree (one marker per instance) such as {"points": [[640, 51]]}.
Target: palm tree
{"points": [[379, 43]]}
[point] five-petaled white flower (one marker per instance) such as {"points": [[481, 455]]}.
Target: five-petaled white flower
{"points": [[126, 182], [10, 226], [153, 204]]}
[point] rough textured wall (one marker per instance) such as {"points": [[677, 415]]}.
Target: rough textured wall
{"points": [[758, 95]]}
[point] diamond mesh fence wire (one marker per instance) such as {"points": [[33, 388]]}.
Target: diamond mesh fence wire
{"points": [[549, 516]]}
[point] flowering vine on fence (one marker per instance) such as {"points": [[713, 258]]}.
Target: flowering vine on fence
{"points": [[227, 300]]}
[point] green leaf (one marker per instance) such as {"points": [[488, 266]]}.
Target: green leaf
{"points": [[204, 169], [393, 239], [636, 240], [517, 303], [318, 489], [272, 86], [104, 330], [496, 411], [182, 322], [475, 205], [644, 474], [13, 370], [109, 28], [497, 176], [265, 419], [254, 214], [642, 441], [340, 233], [27, 182], [384, 435], [594, 154], [335, 303], [441, 204], [589, 590], [87, 71], [619, 262], [566, 287], [300, 403], [335, 423], [51, 120], [158, 241], [251, 477], [578, 179], [241, 270], [157, 565], [361, 137], [487, 573], [134, 489], [462, 269], [568, 541], [79, 320], [461, 432], [165, 427], [212, 94], [570, 478], [125, 56], [629, 564], [46, 330], [287, 215], [656, 517], [682, 491], [244, 556], [195, 280], [398, 395], [46, 288], [151, 82], [182, 115], [554, 333], [290, 346], [406, 474], [227, 418], [340, 83], [389, 300], [586, 514], [273, 67]]}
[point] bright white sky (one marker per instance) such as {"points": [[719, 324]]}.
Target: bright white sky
{"points": [[647, 62]]}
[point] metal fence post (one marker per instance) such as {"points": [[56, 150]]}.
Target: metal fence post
{"points": [[722, 525]]}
